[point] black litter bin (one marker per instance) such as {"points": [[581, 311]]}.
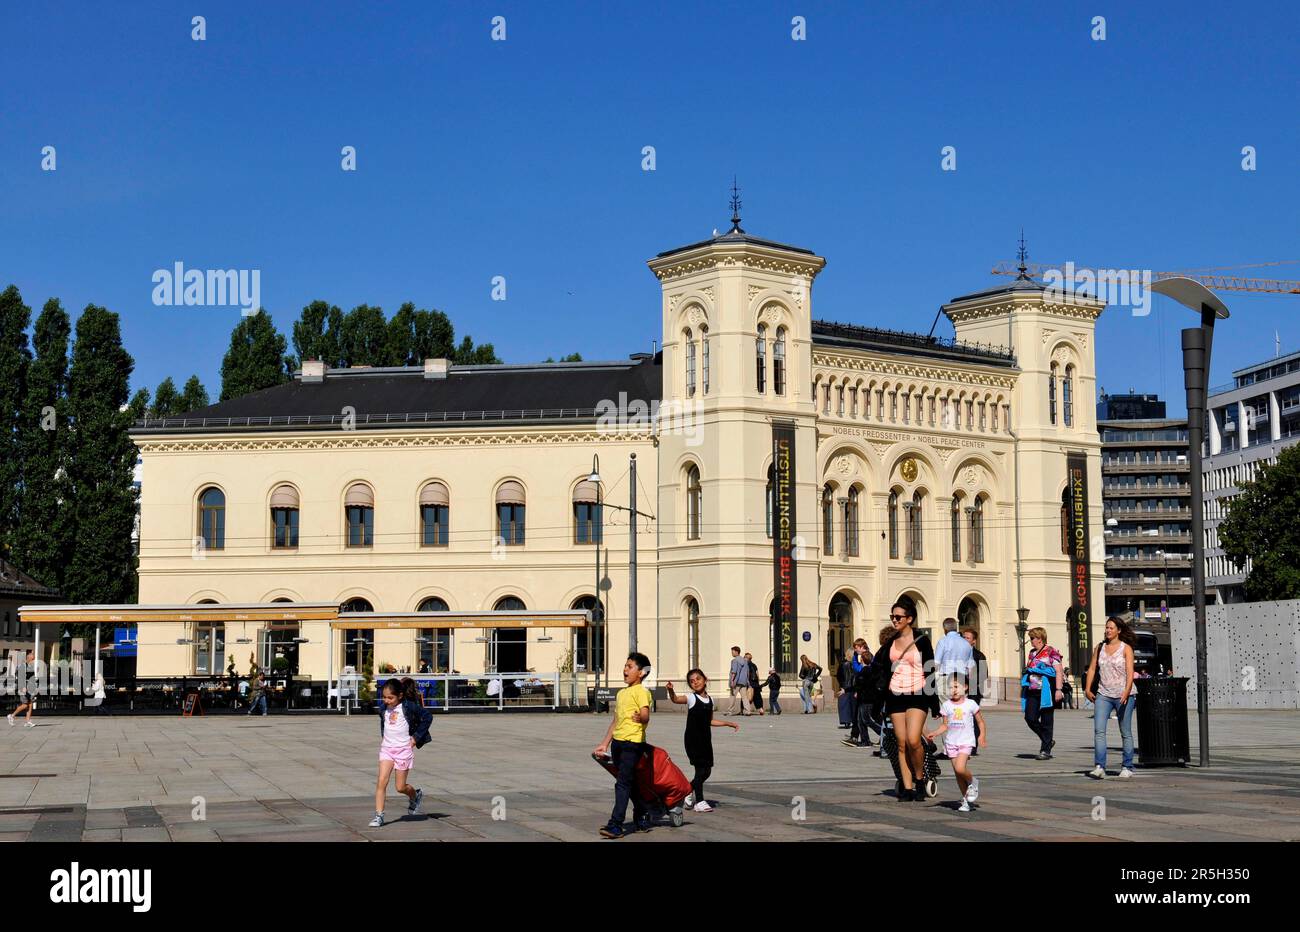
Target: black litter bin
{"points": [[1162, 721]]}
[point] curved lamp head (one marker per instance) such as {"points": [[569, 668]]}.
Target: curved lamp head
{"points": [[1192, 294]]}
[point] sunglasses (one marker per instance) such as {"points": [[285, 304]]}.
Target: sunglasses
{"points": [[898, 617]]}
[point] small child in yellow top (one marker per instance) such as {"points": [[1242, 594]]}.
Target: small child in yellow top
{"points": [[625, 743]]}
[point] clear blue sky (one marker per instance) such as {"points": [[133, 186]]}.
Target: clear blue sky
{"points": [[523, 158]]}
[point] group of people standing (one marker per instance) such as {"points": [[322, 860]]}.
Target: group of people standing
{"points": [[746, 687]]}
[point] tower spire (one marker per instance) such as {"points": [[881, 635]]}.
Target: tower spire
{"points": [[735, 207], [1023, 255]]}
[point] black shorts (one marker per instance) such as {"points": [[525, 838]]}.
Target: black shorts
{"points": [[901, 702]]}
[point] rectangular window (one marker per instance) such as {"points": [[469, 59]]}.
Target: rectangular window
{"points": [[361, 526], [286, 527], [435, 521], [510, 524], [435, 650], [587, 522]]}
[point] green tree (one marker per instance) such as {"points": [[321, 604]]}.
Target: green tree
{"points": [[1263, 526], [166, 400], [15, 358], [417, 335], [256, 358], [139, 404], [193, 395], [365, 336], [572, 357], [101, 457], [467, 354], [316, 334], [44, 519]]}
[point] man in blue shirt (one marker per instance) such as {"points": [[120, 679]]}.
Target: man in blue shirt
{"points": [[952, 655], [738, 682]]}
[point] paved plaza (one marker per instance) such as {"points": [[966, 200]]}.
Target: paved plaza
{"points": [[311, 778]]}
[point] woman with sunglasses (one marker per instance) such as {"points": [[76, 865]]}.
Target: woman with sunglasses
{"points": [[903, 671]]}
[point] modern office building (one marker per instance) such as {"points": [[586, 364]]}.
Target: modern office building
{"points": [[1250, 422], [795, 476], [1147, 504]]}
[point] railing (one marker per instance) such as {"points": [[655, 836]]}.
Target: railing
{"points": [[446, 692], [912, 340], [331, 420]]}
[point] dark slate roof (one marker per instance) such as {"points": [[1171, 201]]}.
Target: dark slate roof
{"points": [[737, 236], [402, 397], [901, 343], [1019, 285], [14, 582]]}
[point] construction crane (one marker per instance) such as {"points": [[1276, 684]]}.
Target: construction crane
{"points": [[1216, 282]]}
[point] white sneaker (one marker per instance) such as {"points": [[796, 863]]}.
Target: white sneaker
{"points": [[10, 719], [1125, 773], [1099, 773], [973, 791], [689, 802], [965, 806], [703, 806], [29, 724], [377, 821]]}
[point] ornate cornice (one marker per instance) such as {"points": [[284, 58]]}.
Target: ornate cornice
{"points": [[913, 370], [788, 265], [1071, 310], [352, 440]]}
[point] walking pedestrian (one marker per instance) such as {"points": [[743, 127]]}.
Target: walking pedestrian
{"points": [[960, 713], [978, 675], [952, 656], [738, 684], [773, 685], [699, 734], [1109, 685], [257, 695], [403, 726], [910, 693], [755, 687], [1040, 690], [843, 692], [625, 743], [859, 706], [809, 675], [26, 696]]}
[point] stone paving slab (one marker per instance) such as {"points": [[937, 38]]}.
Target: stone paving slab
{"points": [[311, 778]]}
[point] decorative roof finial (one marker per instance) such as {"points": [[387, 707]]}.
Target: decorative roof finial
{"points": [[1023, 254], [735, 207]]}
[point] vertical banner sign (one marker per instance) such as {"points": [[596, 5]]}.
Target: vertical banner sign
{"points": [[1080, 562], [783, 553]]}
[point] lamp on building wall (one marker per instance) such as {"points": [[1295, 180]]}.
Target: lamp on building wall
{"points": [[1022, 628], [1197, 342]]}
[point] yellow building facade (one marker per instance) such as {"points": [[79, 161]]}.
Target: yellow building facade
{"points": [[920, 466]]}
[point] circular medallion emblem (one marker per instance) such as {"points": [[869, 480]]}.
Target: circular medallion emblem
{"points": [[908, 469]]}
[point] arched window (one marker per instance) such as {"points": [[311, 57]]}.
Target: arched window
{"points": [[587, 516], [434, 643], [358, 644], [760, 358], [589, 647], [828, 520], [694, 503], [956, 529], [435, 515], [704, 352], [1067, 396], [510, 513], [690, 363], [770, 497], [212, 519], [508, 649], [359, 509], [284, 517], [432, 604], [692, 633], [914, 522], [778, 362], [851, 523], [1051, 394], [977, 530], [893, 525]]}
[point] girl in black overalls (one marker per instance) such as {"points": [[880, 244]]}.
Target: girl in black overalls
{"points": [[699, 737]]}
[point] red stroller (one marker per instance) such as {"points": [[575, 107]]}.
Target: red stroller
{"points": [[659, 782]]}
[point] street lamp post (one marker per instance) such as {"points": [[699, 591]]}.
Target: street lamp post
{"points": [[598, 614], [1022, 627], [1197, 343]]}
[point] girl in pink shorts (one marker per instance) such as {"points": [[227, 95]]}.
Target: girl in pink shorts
{"points": [[403, 726], [960, 713]]}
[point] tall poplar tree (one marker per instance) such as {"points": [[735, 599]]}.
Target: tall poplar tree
{"points": [[15, 357], [101, 458], [256, 358], [45, 520], [166, 400], [316, 334], [365, 336], [193, 395]]}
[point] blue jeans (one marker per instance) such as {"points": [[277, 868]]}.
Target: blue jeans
{"points": [[1103, 707], [774, 707], [625, 756], [805, 693], [259, 701]]}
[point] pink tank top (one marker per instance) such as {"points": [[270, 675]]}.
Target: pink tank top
{"points": [[1112, 672], [907, 676]]}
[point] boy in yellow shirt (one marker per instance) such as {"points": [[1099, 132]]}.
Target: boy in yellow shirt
{"points": [[625, 743]]}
